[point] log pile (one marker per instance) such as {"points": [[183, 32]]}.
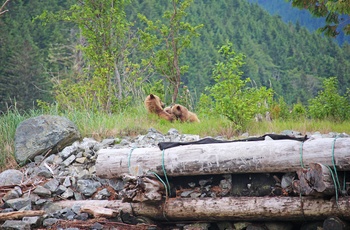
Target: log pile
{"points": [[306, 174]]}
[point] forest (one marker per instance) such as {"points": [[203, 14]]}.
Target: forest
{"points": [[46, 56], [303, 17]]}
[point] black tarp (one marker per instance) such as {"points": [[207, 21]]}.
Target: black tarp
{"points": [[167, 145]]}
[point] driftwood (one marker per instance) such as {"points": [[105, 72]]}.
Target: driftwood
{"points": [[20, 214], [237, 157], [230, 208], [316, 180]]}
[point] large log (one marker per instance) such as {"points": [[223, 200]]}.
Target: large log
{"points": [[230, 208], [316, 180], [236, 157]]}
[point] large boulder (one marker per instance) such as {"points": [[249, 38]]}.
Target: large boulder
{"points": [[40, 135]]}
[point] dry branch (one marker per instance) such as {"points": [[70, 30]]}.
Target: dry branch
{"points": [[2, 11], [20, 214], [97, 211]]}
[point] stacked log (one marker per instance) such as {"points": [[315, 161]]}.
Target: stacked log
{"points": [[312, 161]]}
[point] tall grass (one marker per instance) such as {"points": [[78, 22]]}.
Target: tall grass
{"points": [[135, 121], [8, 124]]}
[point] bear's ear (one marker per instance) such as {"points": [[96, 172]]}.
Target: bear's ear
{"points": [[151, 96], [178, 108]]}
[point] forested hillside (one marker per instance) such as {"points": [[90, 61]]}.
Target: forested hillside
{"points": [[287, 58], [301, 17]]}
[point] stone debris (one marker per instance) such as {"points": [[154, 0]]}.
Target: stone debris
{"points": [[69, 173]]}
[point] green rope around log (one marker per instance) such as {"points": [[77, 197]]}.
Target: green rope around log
{"points": [[163, 166]]}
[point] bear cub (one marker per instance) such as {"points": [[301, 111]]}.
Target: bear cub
{"points": [[182, 113]]}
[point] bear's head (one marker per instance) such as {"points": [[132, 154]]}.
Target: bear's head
{"points": [[153, 103]]}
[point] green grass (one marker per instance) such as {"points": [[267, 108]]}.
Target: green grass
{"points": [[136, 121]]}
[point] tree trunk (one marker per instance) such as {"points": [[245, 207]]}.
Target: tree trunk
{"points": [[224, 158], [229, 208]]}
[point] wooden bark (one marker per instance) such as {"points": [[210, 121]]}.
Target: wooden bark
{"points": [[230, 208], [237, 157], [315, 180], [20, 214]]}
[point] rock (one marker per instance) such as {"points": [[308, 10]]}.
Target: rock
{"points": [[67, 182], [50, 221], [44, 172], [19, 204], [241, 225], [102, 195], [197, 226], [69, 160], [97, 226], [186, 193], [52, 185], [68, 151], [43, 134], [42, 191], [13, 194], [15, 224], [33, 221], [10, 177], [68, 193], [88, 187]]}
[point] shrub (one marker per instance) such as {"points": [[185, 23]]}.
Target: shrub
{"points": [[328, 104], [231, 96]]}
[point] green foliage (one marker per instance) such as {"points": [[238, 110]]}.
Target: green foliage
{"points": [[155, 87], [279, 110], [334, 12], [232, 97], [167, 41], [281, 56], [328, 104], [299, 111], [185, 98], [105, 73]]}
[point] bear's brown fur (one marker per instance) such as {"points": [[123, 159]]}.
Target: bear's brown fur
{"points": [[168, 109], [153, 104], [182, 113]]}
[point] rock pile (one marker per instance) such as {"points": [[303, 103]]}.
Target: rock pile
{"points": [[62, 167]]}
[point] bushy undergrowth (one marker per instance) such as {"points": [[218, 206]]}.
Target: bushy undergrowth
{"points": [[135, 121]]}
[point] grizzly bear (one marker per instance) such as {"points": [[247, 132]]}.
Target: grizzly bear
{"points": [[182, 113], [153, 104]]}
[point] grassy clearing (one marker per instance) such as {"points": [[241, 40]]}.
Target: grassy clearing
{"points": [[136, 121]]}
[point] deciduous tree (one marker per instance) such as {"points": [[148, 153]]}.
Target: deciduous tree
{"points": [[168, 40]]}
